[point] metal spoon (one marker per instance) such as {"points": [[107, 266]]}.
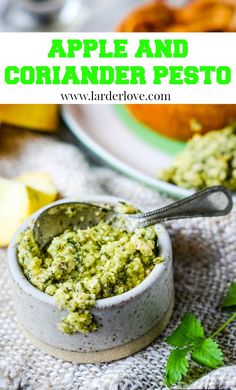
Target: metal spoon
{"points": [[211, 202]]}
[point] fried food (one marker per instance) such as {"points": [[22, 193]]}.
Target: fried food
{"points": [[181, 121], [197, 16]]}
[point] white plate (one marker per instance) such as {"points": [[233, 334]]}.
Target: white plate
{"points": [[103, 131], [100, 128]]}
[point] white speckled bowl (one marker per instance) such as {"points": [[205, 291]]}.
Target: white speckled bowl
{"points": [[126, 323]]}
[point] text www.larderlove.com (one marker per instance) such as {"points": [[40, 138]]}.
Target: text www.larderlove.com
{"points": [[115, 97]]}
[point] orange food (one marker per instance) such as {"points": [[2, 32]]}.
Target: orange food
{"points": [[180, 121], [198, 15], [148, 18]]}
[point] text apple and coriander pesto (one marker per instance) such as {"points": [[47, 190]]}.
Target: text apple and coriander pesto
{"points": [[80, 266]]}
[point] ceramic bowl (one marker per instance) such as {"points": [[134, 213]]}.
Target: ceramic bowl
{"points": [[126, 323]]}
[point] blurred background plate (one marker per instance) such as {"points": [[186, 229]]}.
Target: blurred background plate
{"points": [[110, 131], [106, 131]]}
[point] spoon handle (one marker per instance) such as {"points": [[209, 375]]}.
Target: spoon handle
{"points": [[211, 202]]}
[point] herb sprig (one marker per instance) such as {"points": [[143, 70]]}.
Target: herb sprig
{"points": [[191, 343]]}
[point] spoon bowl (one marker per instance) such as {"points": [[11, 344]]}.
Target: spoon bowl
{"points": [[55, 219]]}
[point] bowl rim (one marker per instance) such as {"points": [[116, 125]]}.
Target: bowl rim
{"points": [[20, 279]]}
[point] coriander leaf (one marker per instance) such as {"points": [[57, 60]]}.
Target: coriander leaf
{"points": [[188, 332], [208, 353], [230, 299], [177, 366]]}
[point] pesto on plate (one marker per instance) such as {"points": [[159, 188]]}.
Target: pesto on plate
{"points": [[206, 161], [80, 266]]}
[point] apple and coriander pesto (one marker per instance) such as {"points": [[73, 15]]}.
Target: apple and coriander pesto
{"points": [[207, 160], [80, 266]]}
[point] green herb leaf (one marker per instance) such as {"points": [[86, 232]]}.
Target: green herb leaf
{"points": [[208, 353], [177, 366], [230, 299], [188, 332]]}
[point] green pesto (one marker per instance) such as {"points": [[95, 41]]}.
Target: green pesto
{"points": [[80, 266], [207, 160]]}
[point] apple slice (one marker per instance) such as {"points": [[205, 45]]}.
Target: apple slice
{"points": [[42, 182], [17, 202]]}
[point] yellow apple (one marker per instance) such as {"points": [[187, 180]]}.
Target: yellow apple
{"points": [[17, 202], [43, 117], [42, 182]]}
